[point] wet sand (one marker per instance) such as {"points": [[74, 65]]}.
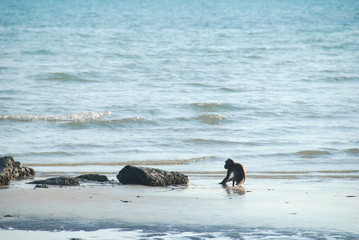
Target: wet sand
{"points": [[204, 202]]}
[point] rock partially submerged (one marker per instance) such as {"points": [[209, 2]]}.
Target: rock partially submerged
{"points": [[94, 177], [13, 170], [69, 181], [62, 181], [150, 176]]}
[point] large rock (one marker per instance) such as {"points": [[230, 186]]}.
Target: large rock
{"points": [[13, 170], [150, 176], [62, 181], [94, 177]]}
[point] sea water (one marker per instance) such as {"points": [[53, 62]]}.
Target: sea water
{"points": [[90, 86]]}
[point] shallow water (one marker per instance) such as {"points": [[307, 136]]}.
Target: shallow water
{"points": [[170, 232], [89, 86], [268, 84]]}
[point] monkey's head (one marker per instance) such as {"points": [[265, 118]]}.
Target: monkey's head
{"points": [[229, 163]]}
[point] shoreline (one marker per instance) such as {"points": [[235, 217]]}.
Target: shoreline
{"points": [[202, 204]]}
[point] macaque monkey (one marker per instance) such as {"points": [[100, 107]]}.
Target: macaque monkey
{"points": [[239, 173]]}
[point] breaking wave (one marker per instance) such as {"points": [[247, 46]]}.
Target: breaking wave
{"points": [[111, 123], [75, 117], [211, 119]]}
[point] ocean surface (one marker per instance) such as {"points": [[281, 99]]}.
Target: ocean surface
{"points": [[90, 86]]}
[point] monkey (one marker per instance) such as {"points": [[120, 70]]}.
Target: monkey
{"points": [[239, 173]]}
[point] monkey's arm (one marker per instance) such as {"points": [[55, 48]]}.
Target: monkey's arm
{"points": [[227, 179]]}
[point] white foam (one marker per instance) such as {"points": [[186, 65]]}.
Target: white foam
{"points": [[75, 117]]}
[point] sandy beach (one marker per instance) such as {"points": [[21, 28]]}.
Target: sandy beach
{"points": [[88, 87], [204, 205]]}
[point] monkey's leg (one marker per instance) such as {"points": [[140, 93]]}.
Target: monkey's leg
{"points": [[231, 179]]}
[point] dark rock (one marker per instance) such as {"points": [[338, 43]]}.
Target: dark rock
{"points": [[13, 170], [150, 176], [41, 186], [11, 216], [94, 177], [62, 181]]}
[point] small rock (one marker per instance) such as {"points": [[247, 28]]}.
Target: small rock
{"points": [[62, 181], [94, 177], [41, 186]]}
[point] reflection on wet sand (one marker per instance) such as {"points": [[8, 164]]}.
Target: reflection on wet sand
{"points": [[235, 190]]}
